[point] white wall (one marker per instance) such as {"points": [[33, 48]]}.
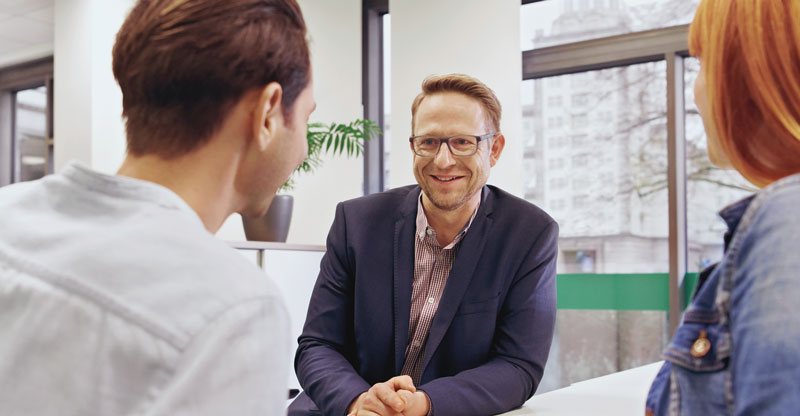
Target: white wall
{"points": [[335, 38], [476, 37], [87, 101]]}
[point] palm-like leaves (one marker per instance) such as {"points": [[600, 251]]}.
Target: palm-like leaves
{"points": [[336, 139]]}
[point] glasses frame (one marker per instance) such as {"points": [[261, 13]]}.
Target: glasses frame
{"points": [[446, 140]]}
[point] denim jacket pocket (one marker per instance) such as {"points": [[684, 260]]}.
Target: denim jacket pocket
{"points": [[701, 343]]}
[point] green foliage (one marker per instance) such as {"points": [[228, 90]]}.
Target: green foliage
{"points": [[334, 139]]}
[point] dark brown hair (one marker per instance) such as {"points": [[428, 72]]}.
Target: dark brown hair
{"points": [[183, 64], [464, 84]]}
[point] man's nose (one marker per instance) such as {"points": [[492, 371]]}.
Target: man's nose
{"points": [[444, 157]]}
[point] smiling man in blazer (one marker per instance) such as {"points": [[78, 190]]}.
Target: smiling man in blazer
{"points": [[437, 298]]}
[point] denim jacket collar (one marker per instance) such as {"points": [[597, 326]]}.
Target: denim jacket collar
{"points": [[732, 214]]}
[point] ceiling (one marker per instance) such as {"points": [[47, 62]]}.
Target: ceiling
{"points": [[25, 24]]}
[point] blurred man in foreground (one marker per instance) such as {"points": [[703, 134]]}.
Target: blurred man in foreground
{"points": [[115, 297]]}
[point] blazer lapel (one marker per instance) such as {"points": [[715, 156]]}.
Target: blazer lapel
{"points": [[460, 276], [404, 230]]}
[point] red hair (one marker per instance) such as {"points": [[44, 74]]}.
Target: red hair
{"points": [[751, 61]]}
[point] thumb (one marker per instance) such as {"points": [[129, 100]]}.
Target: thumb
{"points": [[403, 382]]}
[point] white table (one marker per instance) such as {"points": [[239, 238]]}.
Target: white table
{"points": [[618, 394]]}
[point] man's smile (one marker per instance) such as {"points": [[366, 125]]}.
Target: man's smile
{"points": [[446, 178]]}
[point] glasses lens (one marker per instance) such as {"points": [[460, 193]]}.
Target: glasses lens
{"points": [[463, 145], [426, 146]]}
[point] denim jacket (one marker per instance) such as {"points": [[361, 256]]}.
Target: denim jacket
{"points": [[737, 350]]}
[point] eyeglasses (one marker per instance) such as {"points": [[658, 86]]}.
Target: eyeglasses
{"points": [[459, 145]]}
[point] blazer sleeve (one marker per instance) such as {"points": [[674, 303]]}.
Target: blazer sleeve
{"points": [[326, 346], [522, 342]]}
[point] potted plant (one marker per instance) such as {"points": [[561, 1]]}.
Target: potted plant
{"points": [[334, 139]]}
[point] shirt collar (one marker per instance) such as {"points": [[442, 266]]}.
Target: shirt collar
{"points": [[423, 226], [126, 187], [732, 214]]}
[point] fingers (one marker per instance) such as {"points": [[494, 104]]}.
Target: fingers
{"points": [[386, 393], [363, 413], [416, 403], [385, 399], [402, 382], [406, 396]]}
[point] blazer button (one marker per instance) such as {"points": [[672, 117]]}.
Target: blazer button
{"points": [[701, 345]]}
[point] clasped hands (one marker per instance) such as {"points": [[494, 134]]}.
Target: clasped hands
{"points": [[396, 397]]}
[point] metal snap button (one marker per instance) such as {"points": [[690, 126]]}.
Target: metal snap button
{"points": [[701, 345]]}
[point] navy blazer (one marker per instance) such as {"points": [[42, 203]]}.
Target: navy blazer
{"points": [[489, 340]]}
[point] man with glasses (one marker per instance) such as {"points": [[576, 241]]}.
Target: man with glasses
{"points": [[437, 298]]}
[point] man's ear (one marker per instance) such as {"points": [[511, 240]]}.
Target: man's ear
{"points": [[268, 114], [498, 143]]}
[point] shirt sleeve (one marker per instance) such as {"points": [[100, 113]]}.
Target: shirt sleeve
{"points": [[238, 365]]}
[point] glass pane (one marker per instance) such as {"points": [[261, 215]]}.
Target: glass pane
{"points": [[30, 137], [387, 97], [595, 159], [593, 343], [708, 188], [555, 22]]}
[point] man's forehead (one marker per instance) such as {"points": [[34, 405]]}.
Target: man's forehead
{"points": [[448, 110]]}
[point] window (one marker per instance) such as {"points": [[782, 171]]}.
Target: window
{"points": [[580, 184], [557, 204], [26, 121], [554, 101], [376, 93], [606, 225], [558, 183], [387, 98], [33, 147], [579, 261], [579, 161], [555, 122], [580, 121], [579, 201], [580, 140], [556, 163], [607, 178], [580, 100], [556, 22], [708, 188]]}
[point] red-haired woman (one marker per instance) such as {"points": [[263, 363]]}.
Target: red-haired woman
{"points": [[737, 351]]}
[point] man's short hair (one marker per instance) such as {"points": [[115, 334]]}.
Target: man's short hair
{"points": [[182, 66], [463, 84]]}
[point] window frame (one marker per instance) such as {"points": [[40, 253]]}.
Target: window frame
{"points": [[13, 79], [372, 90], [669, 44]]}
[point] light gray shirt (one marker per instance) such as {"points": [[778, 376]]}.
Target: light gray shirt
{"points": [[115, 300]]}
